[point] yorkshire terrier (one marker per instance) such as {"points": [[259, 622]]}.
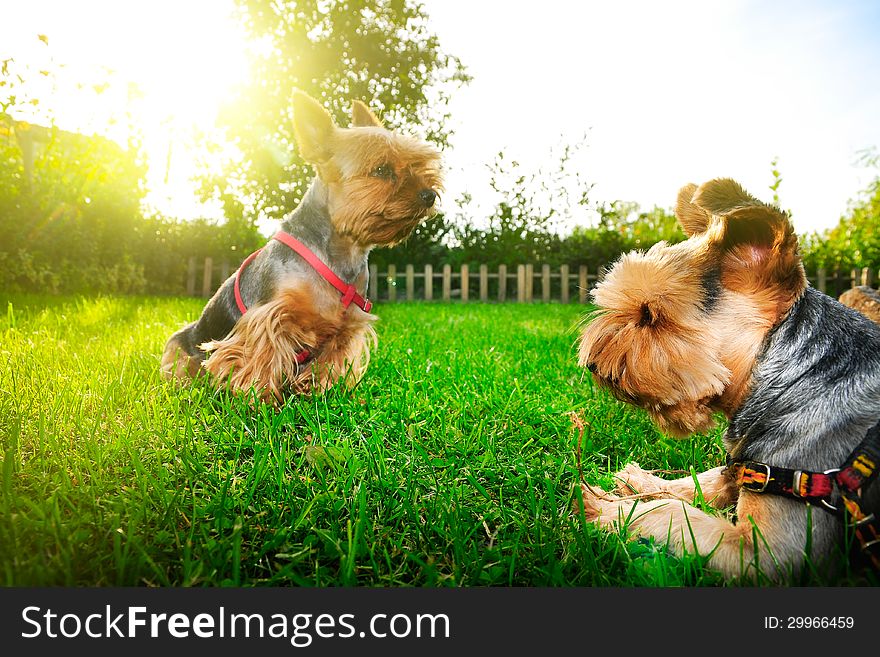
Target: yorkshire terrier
{"points": [[864, 299], [293, 319], [726, 322]]}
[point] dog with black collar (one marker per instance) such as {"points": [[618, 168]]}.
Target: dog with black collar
{"points": [[727, 322]]}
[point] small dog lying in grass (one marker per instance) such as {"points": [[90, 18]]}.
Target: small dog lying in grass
{"points": [[293, 318], [726, 321], [864, 299]]}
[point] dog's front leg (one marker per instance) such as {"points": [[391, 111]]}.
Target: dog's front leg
{"points": [[261, 350], [770, 534], [718, 486]]}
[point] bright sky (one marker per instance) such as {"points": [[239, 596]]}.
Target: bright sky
{"points": [[670, 92], [173, 63]]}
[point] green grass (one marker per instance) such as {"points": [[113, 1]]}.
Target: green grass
{"points": [[452, 463]]}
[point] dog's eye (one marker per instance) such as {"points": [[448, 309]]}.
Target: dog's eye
{"points": [[384, 171], [647, 317]]}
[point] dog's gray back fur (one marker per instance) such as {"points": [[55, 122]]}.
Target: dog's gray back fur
{"points": [[310, 224], [815, 393], [815, 388]]}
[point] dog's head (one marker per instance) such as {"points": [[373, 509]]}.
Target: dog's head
{"points": [[678, 327], [380, 184]]}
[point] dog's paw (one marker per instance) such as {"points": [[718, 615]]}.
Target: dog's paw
{"points": [[632, 480], [177, 365], [596, 503]]}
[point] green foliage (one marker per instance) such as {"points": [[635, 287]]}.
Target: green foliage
{"points": [[777, 179], [453, 463], [76, 225], [66, 226], [72, 220], [528, 223], [428, 244], [169, 244], [336, 50], [855, 241], [71, 217], [622, 227], [523, 225]]}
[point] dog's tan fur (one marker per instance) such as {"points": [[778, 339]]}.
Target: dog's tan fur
{"points": [[262, 348], [651, 341], [864, 299], [177, 365], [362, 209], [654, 344], [673, 519], [367, 209]]}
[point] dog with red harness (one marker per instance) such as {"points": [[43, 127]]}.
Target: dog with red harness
{"points": [[294, 319]]}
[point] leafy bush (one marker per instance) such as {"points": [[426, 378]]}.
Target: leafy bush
{"points": [[855, 241], [529, 223], [75, 223]]}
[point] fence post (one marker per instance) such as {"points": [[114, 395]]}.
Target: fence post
{"points": [[502, 282], [374, 282], [854, 277], [520, 283], [191, 278], [465, 283], [583, 285], [484, 282], [224, 270], [447, 282], [867, 277], [530, 282], [822, 280], [207, 277], [410, 283], [392, 283], [563, 282], [429, 282], [545, 283]]}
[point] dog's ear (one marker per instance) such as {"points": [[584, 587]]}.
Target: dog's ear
{"points": [[758, 241], [723, 195], [363, 117], [313, 127], [761, 228], [742, 220], [693, 219]]}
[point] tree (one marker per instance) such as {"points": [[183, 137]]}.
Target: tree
{"points": [[380, 52]]}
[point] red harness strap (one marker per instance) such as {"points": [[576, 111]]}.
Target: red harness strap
{"points": [[349, 292], [237, 287]]}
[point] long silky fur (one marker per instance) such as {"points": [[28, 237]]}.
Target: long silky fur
{"points": [[261, 350], [348, 209]]}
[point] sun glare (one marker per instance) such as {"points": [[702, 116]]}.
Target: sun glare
{"points": [[157, 72]]}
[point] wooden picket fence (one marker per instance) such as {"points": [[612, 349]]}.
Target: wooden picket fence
{"points": [[520, 284]]}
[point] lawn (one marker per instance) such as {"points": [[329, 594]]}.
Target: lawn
{"points": [[453, 463]]}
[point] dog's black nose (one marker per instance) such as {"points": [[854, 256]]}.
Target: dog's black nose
{"points": [[428, 196], [591, 367]]}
